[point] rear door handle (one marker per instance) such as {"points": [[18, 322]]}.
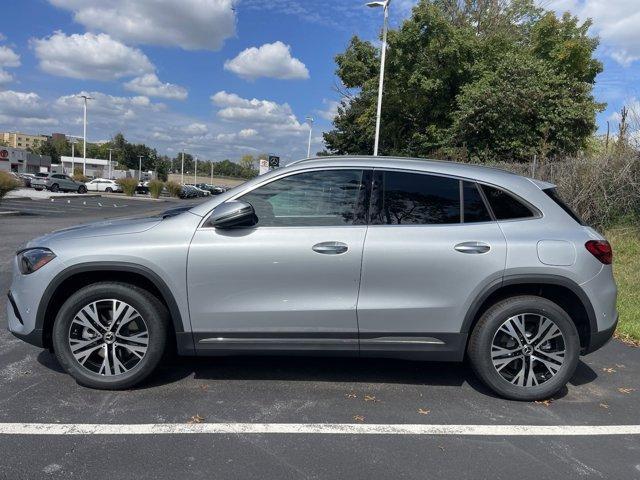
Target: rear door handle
{"points": [[473, 247], [330, 248]]}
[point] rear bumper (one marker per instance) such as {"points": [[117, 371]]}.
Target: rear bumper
{"points": [[600, 339]]}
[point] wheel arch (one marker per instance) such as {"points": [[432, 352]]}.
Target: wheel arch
{"points": [[72, 278], [561, 290]]}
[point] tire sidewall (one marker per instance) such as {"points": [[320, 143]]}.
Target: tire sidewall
{"points": [[151, 313], [492, 320]]}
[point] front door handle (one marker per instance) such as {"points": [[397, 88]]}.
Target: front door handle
{"points": [[330, 248], [472, 247]]}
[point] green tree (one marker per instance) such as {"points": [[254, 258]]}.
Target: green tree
{"points": [[450, 53], [47, 148]]}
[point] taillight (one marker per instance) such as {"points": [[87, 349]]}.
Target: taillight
{"points": [[601, 250]]}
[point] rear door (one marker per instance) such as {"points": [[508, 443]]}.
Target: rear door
{"points": [[430, 248]]}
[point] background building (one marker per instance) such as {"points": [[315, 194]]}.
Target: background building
{"points": [[22, 140], [21, 161]]}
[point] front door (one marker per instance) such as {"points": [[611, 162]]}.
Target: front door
{"points": [[430, 248], [291, 282]]}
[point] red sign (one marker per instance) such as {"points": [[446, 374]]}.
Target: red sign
{"points": [[4, 154]]}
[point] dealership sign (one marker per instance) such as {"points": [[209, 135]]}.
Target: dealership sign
{"points": [[4, 154]]}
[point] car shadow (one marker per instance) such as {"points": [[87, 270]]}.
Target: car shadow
{"points": [[321, 369]]}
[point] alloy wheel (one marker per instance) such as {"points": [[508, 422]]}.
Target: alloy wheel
{"points": [[528, 350], [108, 337]]}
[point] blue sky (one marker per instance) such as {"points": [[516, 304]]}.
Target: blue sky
{"points": [[220, 78]]}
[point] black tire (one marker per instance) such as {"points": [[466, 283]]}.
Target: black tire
{"points": [[108, 190], [82, 189], [479, 349], [54, 187], [153, 312], [38, 189]]}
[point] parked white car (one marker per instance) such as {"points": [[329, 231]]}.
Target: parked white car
{"points": [[103, 185]]}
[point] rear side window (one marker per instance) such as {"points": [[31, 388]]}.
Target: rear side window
{"points": [[553, 194], [504, 205], [475, 209], [401, 198]]}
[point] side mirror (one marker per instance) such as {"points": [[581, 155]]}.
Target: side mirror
{"points": [[234, 214]]}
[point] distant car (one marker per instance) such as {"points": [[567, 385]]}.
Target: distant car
{"points": [[188, 192], [103, 185], [212, 189], [142, 188], [58, 182]]}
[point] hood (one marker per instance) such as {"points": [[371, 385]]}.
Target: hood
{"points": [[120, 226]]}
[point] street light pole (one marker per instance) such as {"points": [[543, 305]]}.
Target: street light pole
{"points": [[182, 170], [383, 56], [195, 178], [310, 122], [140, 167], [73, 156], [110, 150], [84, 135], [211, 172]]}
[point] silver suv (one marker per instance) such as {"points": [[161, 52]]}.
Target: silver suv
{"points": [[58, 182], [370, 257]]}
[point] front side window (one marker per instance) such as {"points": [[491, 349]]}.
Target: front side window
{"points": [[402, 198], [319, 198]]}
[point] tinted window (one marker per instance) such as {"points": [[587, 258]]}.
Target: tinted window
{"points": [[505, 206], [322, 198], [553, 194], [414, 199], [474, 208]]}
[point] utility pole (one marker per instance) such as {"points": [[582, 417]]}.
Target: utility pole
{"points": [[195, 178], [140, 167], [211, 172], [84, 136], [73, 156]]}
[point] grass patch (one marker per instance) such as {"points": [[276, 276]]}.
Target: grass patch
{"points": [[626, 268]]}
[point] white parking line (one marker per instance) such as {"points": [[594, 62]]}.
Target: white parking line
{"points": [[313, 428]]}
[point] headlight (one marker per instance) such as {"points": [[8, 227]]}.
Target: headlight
{"points": [[34, 259]]}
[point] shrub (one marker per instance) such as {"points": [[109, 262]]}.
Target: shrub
{"points": [[128, 185], [79, 177], [155, 188], [603, 191], [7, 183], [174, 188]]}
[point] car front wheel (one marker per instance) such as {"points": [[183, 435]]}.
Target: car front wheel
{"points": [[110, 335], [82, 189], [108, 190], [54, 187], [524, 348]]}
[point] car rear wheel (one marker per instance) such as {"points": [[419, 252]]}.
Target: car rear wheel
{"points": [[524, 348], [54, 187], [110, 335]]}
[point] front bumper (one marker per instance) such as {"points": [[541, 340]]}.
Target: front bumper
{"points": [[34, 337]]}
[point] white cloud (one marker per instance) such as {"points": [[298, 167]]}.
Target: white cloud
{"points": [[149, 84], [189, 24], [89, 56], [247, 133], [24, 108], [262, 112], [195, 129], [616, 23], [271, 60], [330, 111], [8, 58], [5, 77]]}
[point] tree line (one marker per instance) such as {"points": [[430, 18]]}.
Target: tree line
{"points": [[126, 155]]}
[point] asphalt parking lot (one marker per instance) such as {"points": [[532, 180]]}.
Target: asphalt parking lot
{"points": [[460, 430]]}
